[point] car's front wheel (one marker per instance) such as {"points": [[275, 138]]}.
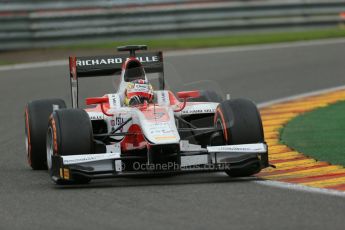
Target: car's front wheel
{"points": [[240, 122], [69, 133]]}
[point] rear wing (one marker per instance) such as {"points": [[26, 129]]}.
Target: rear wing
{"points": [[95, 66]]}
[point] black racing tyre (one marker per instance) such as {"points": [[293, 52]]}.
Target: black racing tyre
{"points": [[36, 123], [69, 133], [207, 96], [241, 123]]}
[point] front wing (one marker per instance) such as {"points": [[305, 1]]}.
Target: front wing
{"points": [[193, 159]]}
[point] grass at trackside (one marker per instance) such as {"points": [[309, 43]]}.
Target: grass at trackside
{"points": [[175, 43], [60, 52], [218, 41], [319, 133], [6, 62]]}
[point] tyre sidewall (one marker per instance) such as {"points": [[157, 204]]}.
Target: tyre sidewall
{"points": [[36, 123]]}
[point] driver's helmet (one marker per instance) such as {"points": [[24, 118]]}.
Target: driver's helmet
{"points": [[137, 92], [134, 71]]}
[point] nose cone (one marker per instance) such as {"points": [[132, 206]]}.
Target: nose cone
{"points": [[158, 125]]}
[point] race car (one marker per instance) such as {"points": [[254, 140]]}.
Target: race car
{"points": [[141, 130]]}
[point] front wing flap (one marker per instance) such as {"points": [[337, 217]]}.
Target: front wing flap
{"points": [[194, 159]]}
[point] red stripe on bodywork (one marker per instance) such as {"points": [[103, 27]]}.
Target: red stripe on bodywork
{"points": [[154, 113], [134, 140], [73, 67]]}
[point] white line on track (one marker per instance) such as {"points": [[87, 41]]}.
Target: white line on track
{"points": [[298, 96], [299, 187], [34, 65], [282, 45], [195, 52]]}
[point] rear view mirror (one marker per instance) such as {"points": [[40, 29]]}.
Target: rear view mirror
{"points": [[185, 95], [96, 100], [188, 94]]}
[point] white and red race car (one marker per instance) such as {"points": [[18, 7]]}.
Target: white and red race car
{"points": [[192, 131]]}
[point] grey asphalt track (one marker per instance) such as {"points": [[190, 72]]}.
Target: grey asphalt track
{"points": [[28, 200]]}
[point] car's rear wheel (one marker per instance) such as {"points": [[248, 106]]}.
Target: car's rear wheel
{"points": [[69, 133], [240, 121], [36, 123]]}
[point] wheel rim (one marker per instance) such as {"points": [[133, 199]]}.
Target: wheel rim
{"points": [[219, 125], [27, 137], [50, 147], [26, 141]]}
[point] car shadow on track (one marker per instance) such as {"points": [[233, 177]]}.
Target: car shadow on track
{"points": [[159, 181]]}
